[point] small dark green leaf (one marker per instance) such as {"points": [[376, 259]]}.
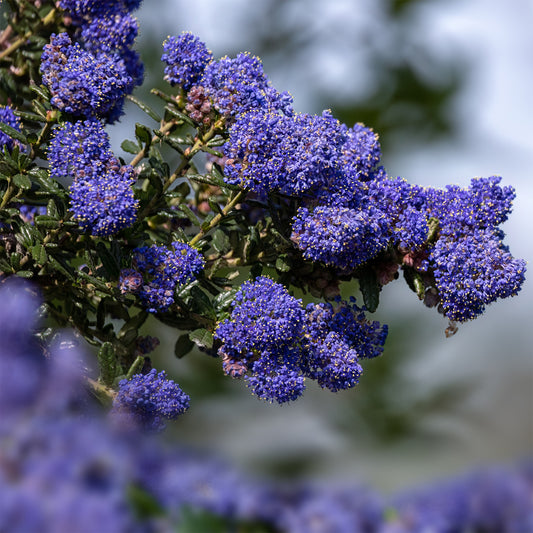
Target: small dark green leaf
{"points": [[130, 146], [25, 273], [183, 346], [282, 264], [13, 133], [213, 204], [220, 242], [108, 261], [370, 289], [40, 90], [179, 115], [39, 254], [143, 134], [224, 300], [22, 181], [186, 210], [202, 338], [107, 363], [51, 209], [46, 222]]}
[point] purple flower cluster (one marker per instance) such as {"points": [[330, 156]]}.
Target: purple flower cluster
{"points": [[186, 58], [91, 78], [276, 343], [149, 400], [162, 270], [101, 195], [238, 85], [472, 271], [340, 236], [295, 155], [82, 83], [471, 265], [8, 117]]}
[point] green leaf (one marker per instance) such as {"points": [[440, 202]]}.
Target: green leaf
{"points": [[201, 303], [148, 110], [107, 363], [221, 242], [25, 273], [143, 134], [282, 264], [46, 222], [180, 115], [108, 261], [370, 289], [183, 346], [130, 146], [39, 254], [22, 181], [224, 300], [13, 133], [40, 90], [186, 210], [202, 338]]}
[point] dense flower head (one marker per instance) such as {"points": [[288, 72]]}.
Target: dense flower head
{"points": [[186, 58], [150, 400], [348, 320], [297, 155], [101, 195], [474, 270], [103, 201], [96, 8], [81, 83], [275, 344], [264, 317], [336, 337], [237, 85], [405, 207], [75, 146], [485, 204], [7, 116], [163, 270], [276, 376], [340, 237], [361, 151]]}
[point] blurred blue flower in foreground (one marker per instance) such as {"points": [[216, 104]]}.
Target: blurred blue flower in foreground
{"points": [[65, 468]]}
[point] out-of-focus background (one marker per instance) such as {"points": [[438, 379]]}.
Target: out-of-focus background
{"points": [[448, 86]]}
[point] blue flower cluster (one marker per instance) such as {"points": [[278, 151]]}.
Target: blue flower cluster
{"points": [[64, 467], [162, 270], [186, 58], [471, 265], [149, 400], [237, 85], [101, 195], [340, 236], [352, 212], [81, 83], [233, 86], [276, 343], [8, 117], [292, 154], [91, 78]]}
